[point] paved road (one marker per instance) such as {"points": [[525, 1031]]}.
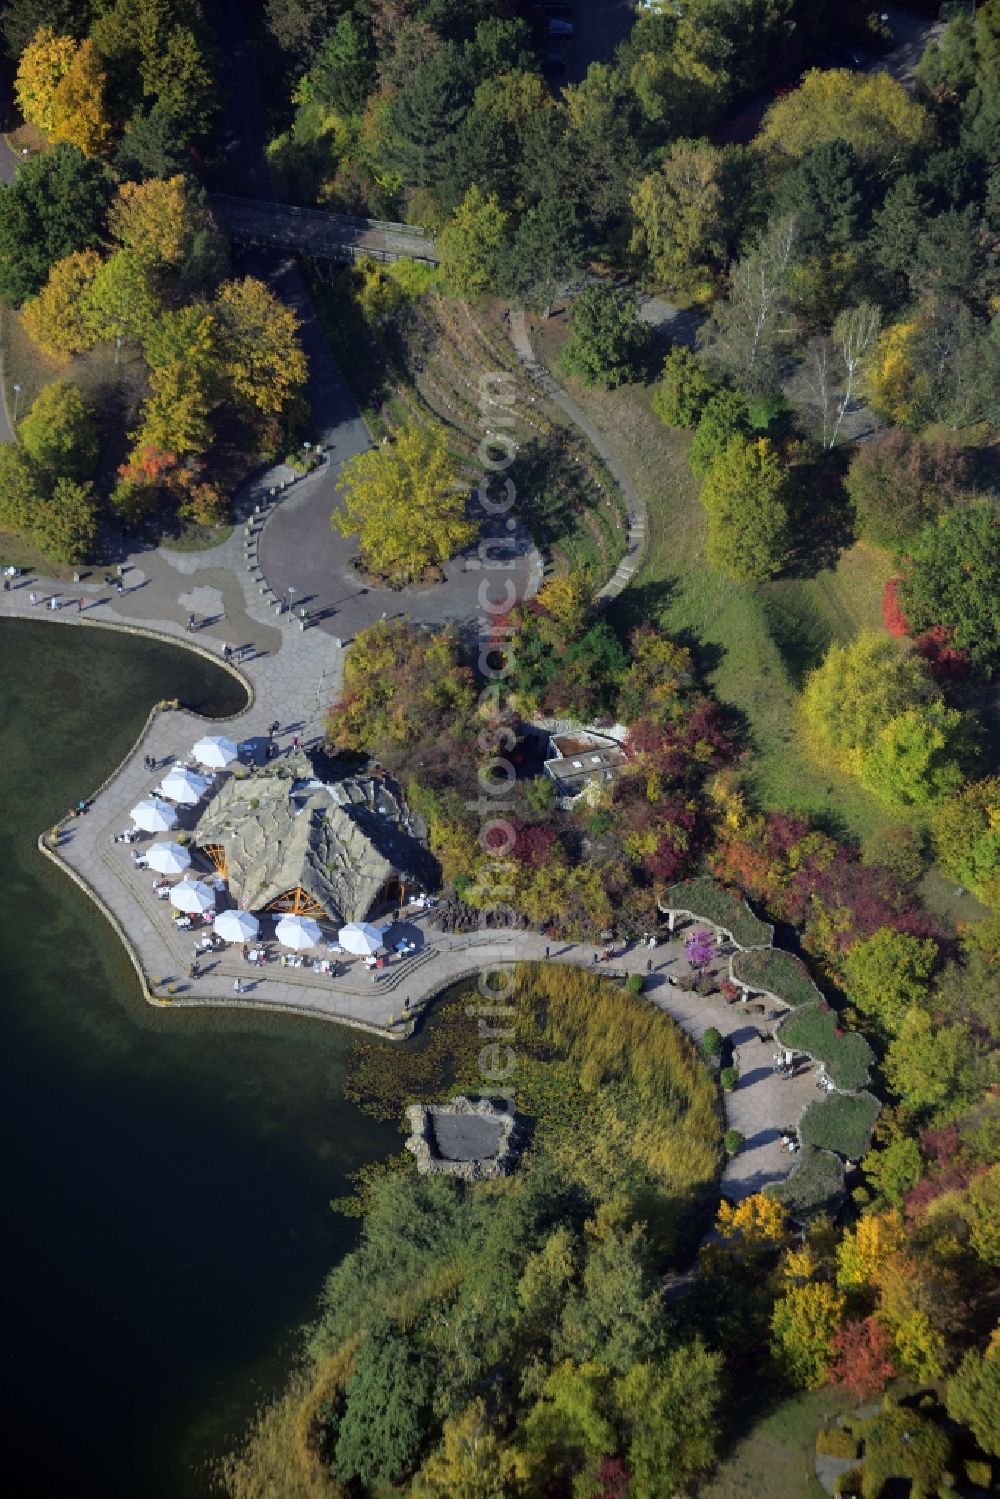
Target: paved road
{"points": [[311, 231]]}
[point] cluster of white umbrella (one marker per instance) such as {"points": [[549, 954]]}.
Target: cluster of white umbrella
{"points": [[185, 786], [153, 815], [236, 926], [215, 751], [168, 858], [192, 896], [361, 938]]}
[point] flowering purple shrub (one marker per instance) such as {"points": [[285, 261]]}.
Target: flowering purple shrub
{"points": [[700, 949]]}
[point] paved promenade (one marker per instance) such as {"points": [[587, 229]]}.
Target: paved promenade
{"points": [[293, 675]]}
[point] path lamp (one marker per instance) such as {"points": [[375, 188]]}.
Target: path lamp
{"points": [[291, 599], [17, 395]]}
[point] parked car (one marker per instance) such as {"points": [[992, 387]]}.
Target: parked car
{"points": [[560, 28], [553, 62], [560, 5]]}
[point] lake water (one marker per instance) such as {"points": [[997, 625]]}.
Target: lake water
{"points": [[167, 1176]]}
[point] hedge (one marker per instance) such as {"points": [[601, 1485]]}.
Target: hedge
{"points": [[816, 1184], [834, 1441], [777, 972], [846, 1056], [708, 901], [842, 1122]]}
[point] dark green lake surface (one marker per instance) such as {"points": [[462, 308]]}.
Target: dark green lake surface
{"points": [[167, 1177]]}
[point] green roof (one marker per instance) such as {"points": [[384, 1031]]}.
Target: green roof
{"points": [[777, 973], [842, 1122], [710, 902], [846, 1055]]}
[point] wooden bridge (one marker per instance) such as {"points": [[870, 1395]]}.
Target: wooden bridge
{"points": [[312, 231]]}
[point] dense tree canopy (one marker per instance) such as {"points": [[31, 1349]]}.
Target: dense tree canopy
{"points": [[55, 205], [952, 578]]}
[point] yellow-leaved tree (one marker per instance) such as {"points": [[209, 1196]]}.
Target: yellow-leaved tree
{"points": [[153, 219], [406, 504], [261, 355], [43, 66], [864, 1250], [892, 380], [78, 109], [872, 112], [56, 319]]}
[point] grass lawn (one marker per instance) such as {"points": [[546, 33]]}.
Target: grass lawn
{"points": [[16, 552], [24, 364], [192, 538], [775, 1459], [754, 643]]}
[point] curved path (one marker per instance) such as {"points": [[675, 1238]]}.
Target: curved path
{"points": [[637, 515]]}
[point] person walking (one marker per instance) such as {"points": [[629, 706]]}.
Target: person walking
{"points": [[190, 622], [295, 741], [32, 599], [226, 652], [120, 570], [79, 606], [237, 987], [275, 728], [649, 965], [119, 587]]}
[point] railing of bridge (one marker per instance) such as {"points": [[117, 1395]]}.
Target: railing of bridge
{"points": [[319, 216]]}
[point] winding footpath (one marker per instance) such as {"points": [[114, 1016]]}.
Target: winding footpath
{"points": [[637, 515]]}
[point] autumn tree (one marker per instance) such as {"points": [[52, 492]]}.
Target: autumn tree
{"points": [[185, 381], [157, 220], [920, 755], [58, 432], [405, 503], [261, 353], [43, 66], [863, 1362], [679, 218], [930, 1066], [470, 1463], [724, 416], [859, 689], [966, 834], [64, 524], [669, 1410], [803, 1324], [470, 244], [78, 106], [746, 496], [871, 112], [55, 319], [864, 1250]]}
